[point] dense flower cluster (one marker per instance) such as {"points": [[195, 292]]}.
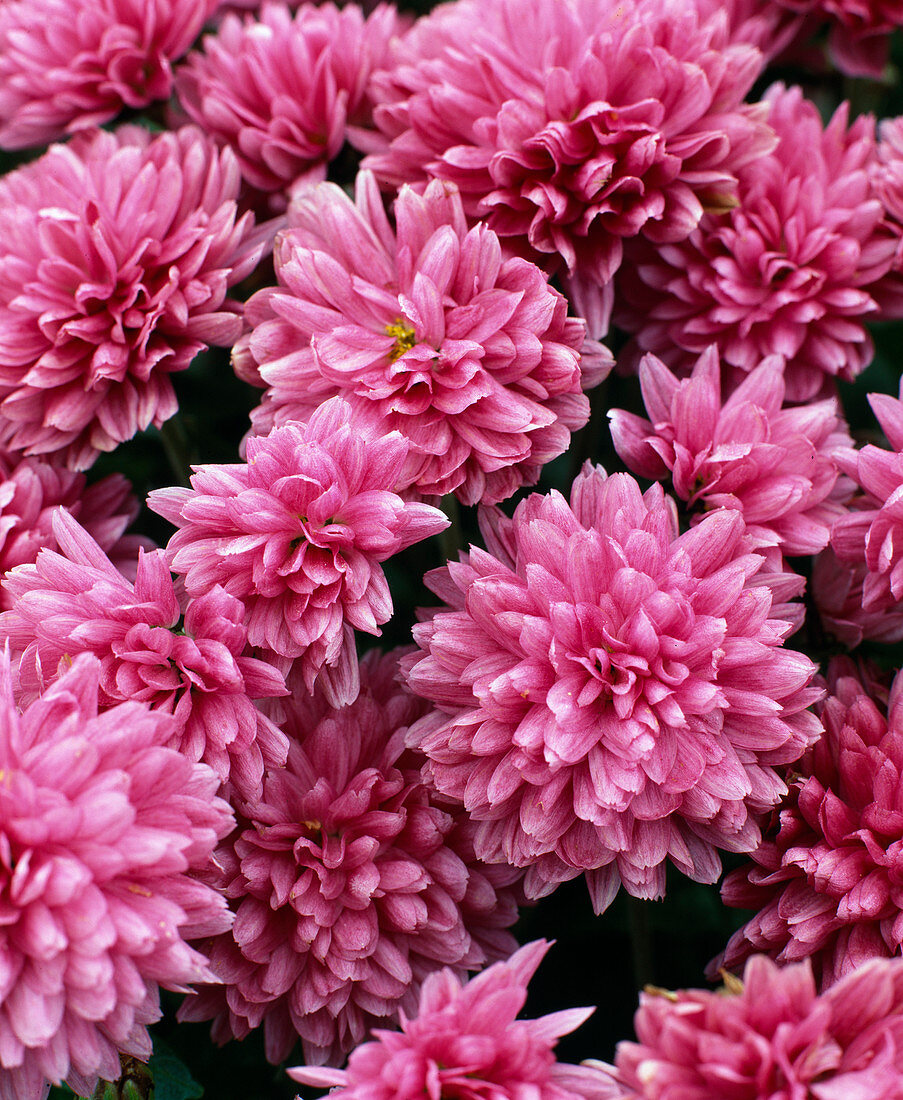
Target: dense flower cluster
{"points": [[573, 125], [280, 89], [787, 271], [826, 880], [181, 657], [351, 883], [609, 694], [67, 65], [466, 1041], [772, 1037], [102, 831], [776, 465], [297, 534], [457, 206], [426, 330], [116, 253]]}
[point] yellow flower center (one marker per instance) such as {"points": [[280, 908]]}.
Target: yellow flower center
{"points": [[405, 338]]}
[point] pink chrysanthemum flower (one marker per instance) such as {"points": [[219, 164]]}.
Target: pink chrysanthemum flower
{"points": [[887, 180], [280, 90], [859, 30], [786, 272], [791, 31], [610, 694], [180, 657], [776, 466], [826, 881], [466, 1041], [116, 253], [838, 592], [425, 330], [66, 65], [297, 534], [102, 828], [572, 125], [771, 1037], [31, 490], [868, 540], [350, 882]]}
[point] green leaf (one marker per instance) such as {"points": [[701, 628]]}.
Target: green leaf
{"points": [[172, 1078]]}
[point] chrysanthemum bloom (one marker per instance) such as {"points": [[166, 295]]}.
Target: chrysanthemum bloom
{"points": [[297, 534], [466, 1041], [180, 657], [350, 881], [859, 30], [31, 490], [610, 694], [826, 882], [572, 125], [787, 271], [770, 1038], [102, 828], [116, 252], [837, 591], [871, 533], [425, 330], [887, 180], [776, 466], [66, 65], [280, 90]]}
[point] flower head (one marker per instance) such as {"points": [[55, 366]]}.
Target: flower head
{"points": [[425, 330], [102, 831], [771, 1038], [826, 880], [610, 694], [838, 592], [573, 125], [350, 881], [787, 271], [861, 595], [297, 534], [180, 657], [116, 253], [30, 492], [66, 65], [859, 30], [776, 466], [280, 89], [466, 1041], [887, 180]]}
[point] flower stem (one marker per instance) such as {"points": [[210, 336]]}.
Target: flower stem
{"points": [[176, 447], [451, 540], [585, 443], [640, 941]]}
